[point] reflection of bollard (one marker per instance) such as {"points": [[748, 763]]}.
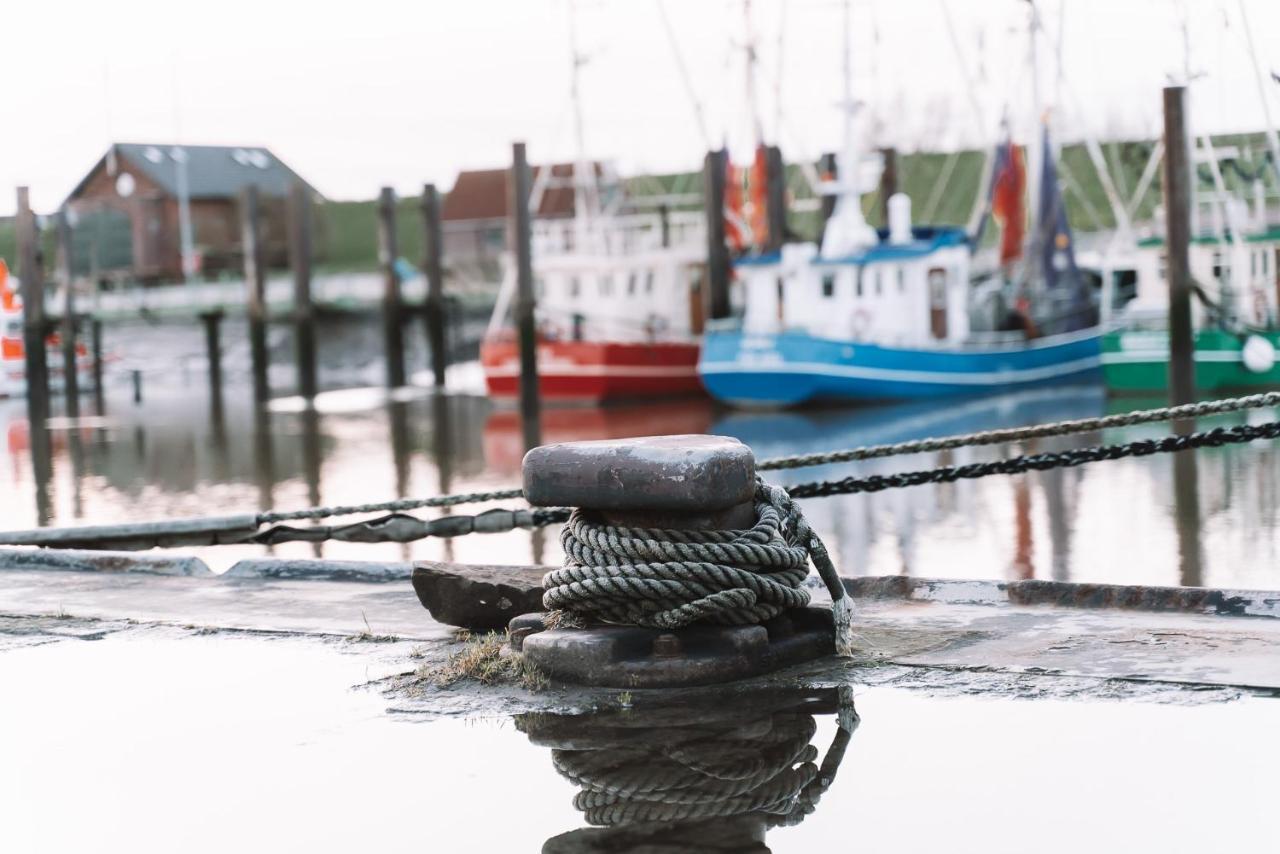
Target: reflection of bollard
{"points": [[716, 776], [680, 566], [137, 385]]}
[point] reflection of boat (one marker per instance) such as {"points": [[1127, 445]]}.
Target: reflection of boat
{"points": [[703, 776], [13, 373], [504, 443]]}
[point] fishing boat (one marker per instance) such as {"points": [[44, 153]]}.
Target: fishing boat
{"points": [[619, 302], [892, 313], [13, 371], [1235, 265]]}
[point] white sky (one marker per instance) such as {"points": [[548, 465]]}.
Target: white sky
{"points": [[355, 95]]}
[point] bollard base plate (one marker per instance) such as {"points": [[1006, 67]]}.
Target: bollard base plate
{"points": [[633, 657]]}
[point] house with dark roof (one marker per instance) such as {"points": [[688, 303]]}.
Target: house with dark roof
{"points": [[474, 213], [128, 208]]}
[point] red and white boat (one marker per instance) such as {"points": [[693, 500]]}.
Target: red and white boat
{"points": [[619, 312], [13, 366]]}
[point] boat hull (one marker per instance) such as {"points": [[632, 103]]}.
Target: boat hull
{"points": [[1138, 362], [591, 371], [794, 368]]}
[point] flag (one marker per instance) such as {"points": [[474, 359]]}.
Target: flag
{"points": [[1056, 249], [1007, 191]]}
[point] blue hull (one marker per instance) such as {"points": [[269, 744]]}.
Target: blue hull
{"points": [[794, 368]]}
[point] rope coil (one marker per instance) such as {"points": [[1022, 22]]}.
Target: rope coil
{"points": [[668, 579]]}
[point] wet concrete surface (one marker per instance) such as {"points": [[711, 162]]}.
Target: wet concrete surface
{"points": [[172, 713]]}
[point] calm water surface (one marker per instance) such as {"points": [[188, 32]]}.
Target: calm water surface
{"points": [[178, 454]]}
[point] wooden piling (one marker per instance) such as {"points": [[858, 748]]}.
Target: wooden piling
{"points": [[212, 321], [255, 279], [304, 318], [34, 323], [888, 182], [95, 344], [1177, 205], [522, 239], [775, 199], [827, 170], [716, 296], [67, 331], [433, 267], [392, 305]]}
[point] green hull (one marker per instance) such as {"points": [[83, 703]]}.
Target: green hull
{"points": [[1139, 362]]}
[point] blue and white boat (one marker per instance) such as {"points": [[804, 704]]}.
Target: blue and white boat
{"points": [[893, 314]]}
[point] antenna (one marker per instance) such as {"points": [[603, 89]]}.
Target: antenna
{"points": [[586, 195]]}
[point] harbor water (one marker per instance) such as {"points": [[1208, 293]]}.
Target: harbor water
{"points": [[179, 453]]}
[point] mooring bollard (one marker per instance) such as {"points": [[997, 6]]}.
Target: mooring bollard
{"points": [[681, 568]]}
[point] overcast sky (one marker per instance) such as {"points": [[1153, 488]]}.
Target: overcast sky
{"points": [[355, 95]]}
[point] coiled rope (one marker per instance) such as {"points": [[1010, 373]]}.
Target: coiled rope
{"points": [[667, 579]]}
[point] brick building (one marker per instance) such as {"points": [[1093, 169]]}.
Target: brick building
{"points": [[127, 208]]}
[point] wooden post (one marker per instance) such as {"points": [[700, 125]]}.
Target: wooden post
{"points": [[255, 280], [392, 306], [212, 321], [433, 266], [827, 169], [521, 239], [34, 322], [888, 182], [1177, 205], [67, 333], [304, 318], [717, 281], [95, 339], [775, 199]]}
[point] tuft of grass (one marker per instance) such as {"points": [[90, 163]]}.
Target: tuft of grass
{"points": [[481, 660], [624, 699], [563, 620], [367, 636]]}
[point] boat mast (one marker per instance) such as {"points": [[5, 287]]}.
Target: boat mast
{"points": [[847, 230], [586, 191], [1273, 138]]}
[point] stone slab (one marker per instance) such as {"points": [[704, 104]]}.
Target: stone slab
{"points": [[477, 597]]}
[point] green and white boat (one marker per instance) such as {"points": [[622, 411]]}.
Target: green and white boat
{"points": [[1236, 313]]}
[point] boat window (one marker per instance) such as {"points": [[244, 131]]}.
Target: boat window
{"points": [[606, 285], [1253, 263], [879, 283], [829, 285], [1162, 267], [631, 285], [575, 287], [648, 282], [1221, 269], [902, 280], [857, 288]]}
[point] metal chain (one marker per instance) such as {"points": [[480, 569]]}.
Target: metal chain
{"points": [[1018, 434], [917, 446], [1214, 438]]}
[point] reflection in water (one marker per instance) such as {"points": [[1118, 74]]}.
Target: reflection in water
{"points": [[700, 777], [1148, 521]]}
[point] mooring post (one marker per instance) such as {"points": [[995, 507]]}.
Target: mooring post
{"points": [[95, 344], [775, 199], [827, 171], [888, 182], [255, 280], [433, 266], [304, 318], [717, 294], [522, 240], [212, 321], [34, 323], [1177, 212], [392, 306], [67, 332]]}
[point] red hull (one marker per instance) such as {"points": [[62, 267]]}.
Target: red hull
{"points": [[595, 371]]}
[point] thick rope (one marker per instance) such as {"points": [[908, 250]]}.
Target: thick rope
{"points": [[668, 579]]}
